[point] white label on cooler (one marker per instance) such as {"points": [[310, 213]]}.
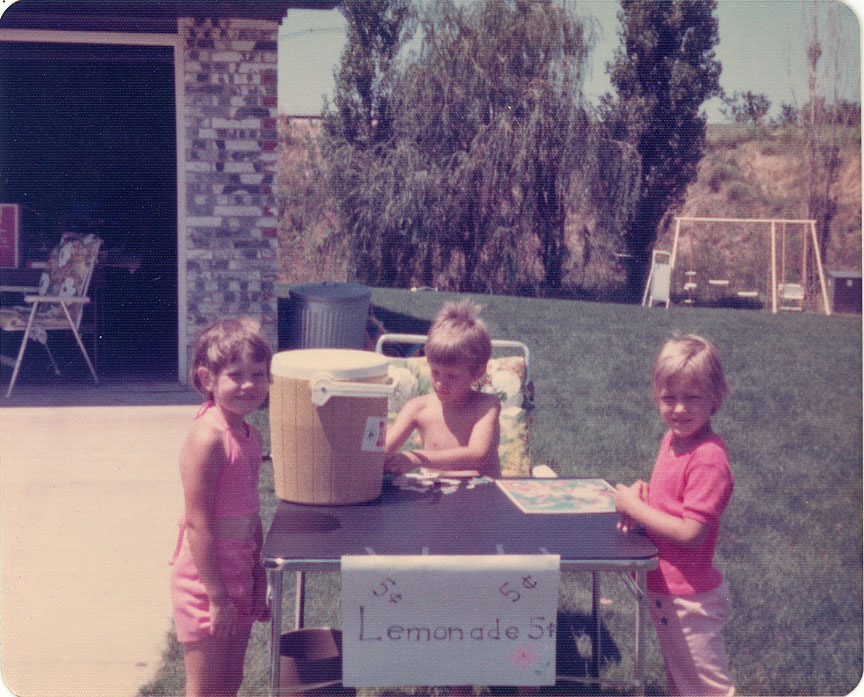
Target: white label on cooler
{"points": [[373, 436]]}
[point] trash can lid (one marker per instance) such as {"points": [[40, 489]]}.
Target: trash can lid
{"points": [[331, 292], [339, 364]]}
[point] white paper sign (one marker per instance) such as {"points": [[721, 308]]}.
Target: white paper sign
{"points": [[449, 620]]}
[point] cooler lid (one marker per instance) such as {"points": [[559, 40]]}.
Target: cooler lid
{"points": [[339, 364]]}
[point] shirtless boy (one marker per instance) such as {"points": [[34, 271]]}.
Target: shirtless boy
{"points": [[458, 425]]}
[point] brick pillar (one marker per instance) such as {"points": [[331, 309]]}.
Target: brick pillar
{"points": [[231, 164]]}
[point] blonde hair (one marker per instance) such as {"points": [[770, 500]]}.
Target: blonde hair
{"points": [[458, 335], [694, 358], [224, 342]]}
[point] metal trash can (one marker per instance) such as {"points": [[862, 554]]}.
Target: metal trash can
{"points": [[324, 315]]}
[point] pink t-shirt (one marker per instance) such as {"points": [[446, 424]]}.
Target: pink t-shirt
{"points": [[696, 484]]}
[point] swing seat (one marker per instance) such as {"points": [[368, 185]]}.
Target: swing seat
{"points": [[690, 287], [791, 296]]}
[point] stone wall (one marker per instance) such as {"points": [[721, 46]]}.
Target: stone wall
{"points": [[231, 170]]}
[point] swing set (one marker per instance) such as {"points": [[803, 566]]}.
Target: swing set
{"points": [[792, 280]]}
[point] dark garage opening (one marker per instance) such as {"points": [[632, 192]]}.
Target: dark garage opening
{"points": [[88, 144]]}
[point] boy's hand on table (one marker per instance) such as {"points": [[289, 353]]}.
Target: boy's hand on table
{"points": [[400, 463]]}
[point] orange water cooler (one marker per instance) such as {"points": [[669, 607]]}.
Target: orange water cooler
{"points": [[328, 417]]}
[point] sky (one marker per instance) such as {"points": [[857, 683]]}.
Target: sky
{"points": [[762, 49]]}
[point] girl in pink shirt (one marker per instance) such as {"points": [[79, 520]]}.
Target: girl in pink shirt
{"points": [[218, 586], [680, 510]]}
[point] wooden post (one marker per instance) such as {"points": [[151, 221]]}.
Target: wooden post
{"points": [[675, 243], [773, 267], [818, 257], [783, 254]]}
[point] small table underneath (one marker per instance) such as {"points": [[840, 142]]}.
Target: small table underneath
{"points": [[475, 521]]}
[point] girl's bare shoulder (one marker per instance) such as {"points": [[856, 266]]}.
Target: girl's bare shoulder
{"points": [[205, 437]]}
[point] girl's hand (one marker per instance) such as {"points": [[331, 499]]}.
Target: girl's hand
{"points": [[626, 498], [223, 617], [641, 488]]}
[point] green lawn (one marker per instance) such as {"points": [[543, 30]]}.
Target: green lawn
{"points": [[791, 544]]}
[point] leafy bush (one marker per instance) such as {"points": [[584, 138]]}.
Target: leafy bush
{"points": [[722, 173], [739, 192]]}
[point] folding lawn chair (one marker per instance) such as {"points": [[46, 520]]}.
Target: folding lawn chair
{"points": [[59, 304]]}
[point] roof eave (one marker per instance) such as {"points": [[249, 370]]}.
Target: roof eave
{"points": [[35, 14]]}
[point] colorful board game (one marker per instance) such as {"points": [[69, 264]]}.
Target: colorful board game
{"points": [[560, 495]]}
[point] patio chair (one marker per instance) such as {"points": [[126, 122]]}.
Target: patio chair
{"points": [[507, 377], [59, 304]]}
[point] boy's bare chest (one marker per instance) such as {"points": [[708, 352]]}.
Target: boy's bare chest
{"points": [[441, 429]]}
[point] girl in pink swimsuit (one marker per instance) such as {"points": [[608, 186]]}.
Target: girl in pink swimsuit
{"points": [[218, 586]]}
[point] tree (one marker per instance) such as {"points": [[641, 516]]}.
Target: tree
{"points": [[827, 117], [663, 71], [493, 101], [358, 128], [747, 107], [376, 32], [490, 143], [789, 115]]}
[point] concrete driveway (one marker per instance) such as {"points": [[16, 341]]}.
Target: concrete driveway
{"points": [[89, 500]]}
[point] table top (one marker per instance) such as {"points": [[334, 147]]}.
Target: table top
{"points": [[478, 520]]}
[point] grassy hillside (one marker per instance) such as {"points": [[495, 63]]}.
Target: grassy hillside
{"points": [[753, 172]]}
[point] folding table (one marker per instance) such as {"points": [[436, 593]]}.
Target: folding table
{"points": [[478, 520]]}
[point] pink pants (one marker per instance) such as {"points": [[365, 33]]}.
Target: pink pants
{"points": [[189, 597], [690, 631]]}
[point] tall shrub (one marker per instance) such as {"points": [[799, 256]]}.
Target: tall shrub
{"points": [[662, 73]]}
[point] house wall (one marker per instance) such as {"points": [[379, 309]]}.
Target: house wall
{"points": [[230, 169]]}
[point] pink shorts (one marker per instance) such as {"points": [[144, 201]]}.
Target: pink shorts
{"points": [[690, 631], [189, 598]]}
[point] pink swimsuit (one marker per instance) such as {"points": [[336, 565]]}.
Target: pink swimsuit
{"points": [[236, 495]]}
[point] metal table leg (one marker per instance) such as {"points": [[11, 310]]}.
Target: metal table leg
{"points": [[299, 597], [641, 619], [596, 658], [274, 577]]}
